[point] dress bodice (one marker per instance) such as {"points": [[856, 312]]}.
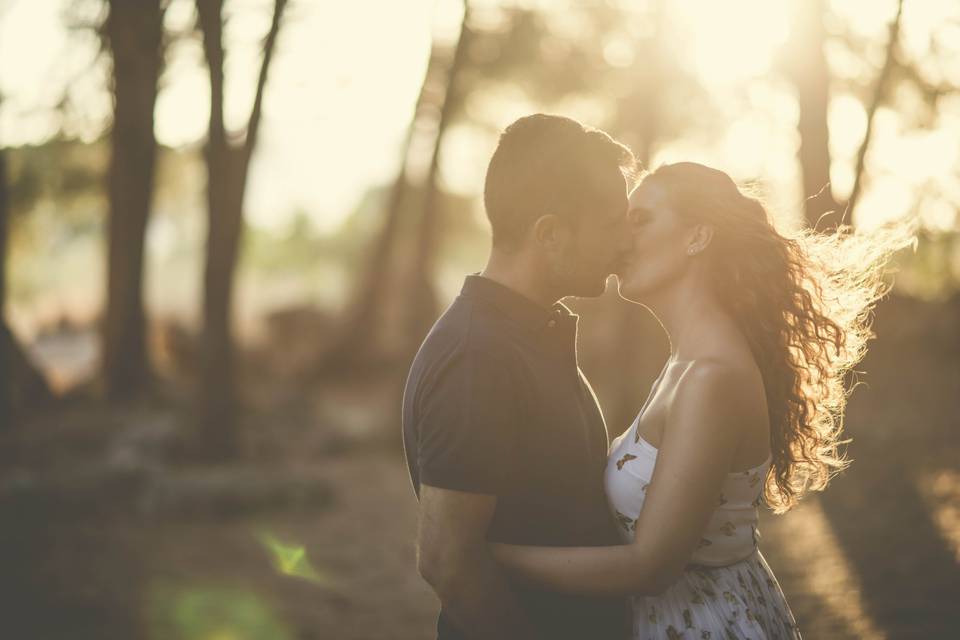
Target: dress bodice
{"points": [[731, 534]]}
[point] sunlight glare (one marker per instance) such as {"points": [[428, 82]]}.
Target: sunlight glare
{"points": [[828, 573], [941, 493], [866, 18], [731, 41]]}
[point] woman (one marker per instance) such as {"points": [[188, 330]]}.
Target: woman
{"points": [[748, 407]]}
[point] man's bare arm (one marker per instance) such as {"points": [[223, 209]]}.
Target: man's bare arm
{"points": [[453, 557]]}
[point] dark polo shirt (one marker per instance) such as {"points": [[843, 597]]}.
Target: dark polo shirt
{"points": [[495, 403]]}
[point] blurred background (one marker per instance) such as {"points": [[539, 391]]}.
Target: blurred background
{"points": [[226, 226]]}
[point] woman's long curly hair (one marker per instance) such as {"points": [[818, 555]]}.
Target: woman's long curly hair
{"points": [[804, 302]]}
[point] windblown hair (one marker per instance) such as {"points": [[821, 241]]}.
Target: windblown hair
{"points": [[804, 302]]}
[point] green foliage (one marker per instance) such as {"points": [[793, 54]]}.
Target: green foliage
{"points": [[291, 560], [68, 173], [205, 613]]}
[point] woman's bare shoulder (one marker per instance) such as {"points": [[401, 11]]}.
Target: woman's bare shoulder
{"points": [[727, 386]]}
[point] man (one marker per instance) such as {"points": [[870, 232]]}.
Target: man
{"points": [[502, 433]]}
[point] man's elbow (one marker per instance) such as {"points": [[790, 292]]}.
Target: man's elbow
{"points": [[430, 569], [444, 572]]}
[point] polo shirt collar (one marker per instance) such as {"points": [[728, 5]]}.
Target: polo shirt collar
{"points": [[516, 306]]}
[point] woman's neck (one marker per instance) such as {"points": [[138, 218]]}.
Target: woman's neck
{"points": [[691, 316]]}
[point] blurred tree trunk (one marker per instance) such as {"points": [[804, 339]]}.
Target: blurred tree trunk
{"points": [[134, 35], [806, 66], [359, 343], [227, 170], [21, 383], [879, 95], [6, 338], [422, 302], [640, 116]]}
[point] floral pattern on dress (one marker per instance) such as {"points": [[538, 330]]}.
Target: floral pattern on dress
{"points": [[728, 590], [624, 460], [738, 601], [626, 522]]}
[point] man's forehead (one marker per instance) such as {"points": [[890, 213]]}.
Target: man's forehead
{"points": [[609, 192], [605, 178], [617, 203]]}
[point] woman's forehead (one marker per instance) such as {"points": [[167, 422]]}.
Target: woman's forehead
{"points": [[648, 195]]}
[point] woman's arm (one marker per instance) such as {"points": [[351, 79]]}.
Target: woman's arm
{"points": [[703, 428], [577, 570]]}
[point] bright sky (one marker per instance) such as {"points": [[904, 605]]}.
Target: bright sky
{"points": [[347, 74], [340, 94]]}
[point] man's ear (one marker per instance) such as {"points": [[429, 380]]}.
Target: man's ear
{"points": [[699, 239], [548, 230]]}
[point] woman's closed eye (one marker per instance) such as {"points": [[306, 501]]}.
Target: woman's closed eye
{"points": [[639, 216]]}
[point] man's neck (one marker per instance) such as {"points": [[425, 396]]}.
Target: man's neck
{"points": [[517, 273]]}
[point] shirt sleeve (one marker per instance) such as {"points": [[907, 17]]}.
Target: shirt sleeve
{"points": [[467, 429]]}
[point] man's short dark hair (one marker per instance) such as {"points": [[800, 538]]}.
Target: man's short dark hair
{"points": [[548, 164]]}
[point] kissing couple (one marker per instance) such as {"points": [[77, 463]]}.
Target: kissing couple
{"points": [[532, 524]]}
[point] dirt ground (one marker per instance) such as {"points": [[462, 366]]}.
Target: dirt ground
{"points": [[98, 541], [95, 579]]}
